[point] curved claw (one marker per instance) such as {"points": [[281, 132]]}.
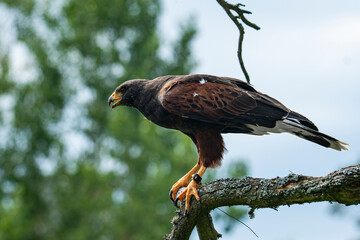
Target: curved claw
{"points": [[191, 190], [170, 194], [176, 202], [183, 182]]}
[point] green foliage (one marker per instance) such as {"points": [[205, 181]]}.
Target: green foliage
{"points": [[237, 170], [69, 167]]}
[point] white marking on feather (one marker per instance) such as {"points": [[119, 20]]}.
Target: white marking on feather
{"points": [[299, 130], [202, 81], [195, 94], [259, 130], [343, 145], [291, 121]]}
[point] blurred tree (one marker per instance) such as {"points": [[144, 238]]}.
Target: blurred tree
{"points": [[69, 167]]}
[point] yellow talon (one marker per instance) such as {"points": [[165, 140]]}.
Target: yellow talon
{"points": [[191, 188]]}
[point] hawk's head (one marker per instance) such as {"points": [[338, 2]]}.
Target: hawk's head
{"points": [[126, 94]]}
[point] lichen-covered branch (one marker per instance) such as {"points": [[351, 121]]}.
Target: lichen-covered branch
{"points": [[236, 19], [205, 227], [342, 186]]}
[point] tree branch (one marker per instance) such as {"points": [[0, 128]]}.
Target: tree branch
{"points": [[240, 16], [341, 186], [205, 227]]}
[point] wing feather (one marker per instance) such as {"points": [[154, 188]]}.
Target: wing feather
{"points": [[219, 101]]}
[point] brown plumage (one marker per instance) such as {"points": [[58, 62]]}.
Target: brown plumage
{"points": [[203, 107]]}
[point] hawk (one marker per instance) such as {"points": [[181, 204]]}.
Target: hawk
{"points": [[205, 106]]}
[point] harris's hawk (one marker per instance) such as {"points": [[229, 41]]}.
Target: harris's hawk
{"points": [[203, 107]]}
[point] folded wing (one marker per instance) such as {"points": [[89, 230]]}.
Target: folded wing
{"points": [[223, 101]]}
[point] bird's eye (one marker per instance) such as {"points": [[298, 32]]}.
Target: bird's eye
{"points": [[122, 89]]}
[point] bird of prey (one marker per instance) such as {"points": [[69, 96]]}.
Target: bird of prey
{"points": [[203, 107]]}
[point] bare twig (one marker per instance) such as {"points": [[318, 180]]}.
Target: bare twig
{"points": [[342, 186], [238, 221], [236, 19]]}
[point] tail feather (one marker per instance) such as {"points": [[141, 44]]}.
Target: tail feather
{"points": [[300, 119], [302, 127]]}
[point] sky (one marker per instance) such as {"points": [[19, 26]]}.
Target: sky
{"points": [[306, 55]]}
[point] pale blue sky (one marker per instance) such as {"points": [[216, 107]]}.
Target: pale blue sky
{"points": [[307, 55]]}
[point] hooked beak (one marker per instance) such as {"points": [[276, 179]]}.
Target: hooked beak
{"points": [[114, 99]]}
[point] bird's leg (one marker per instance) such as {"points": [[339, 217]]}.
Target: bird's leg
{"points": [[183, 182], [192, 189]]}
